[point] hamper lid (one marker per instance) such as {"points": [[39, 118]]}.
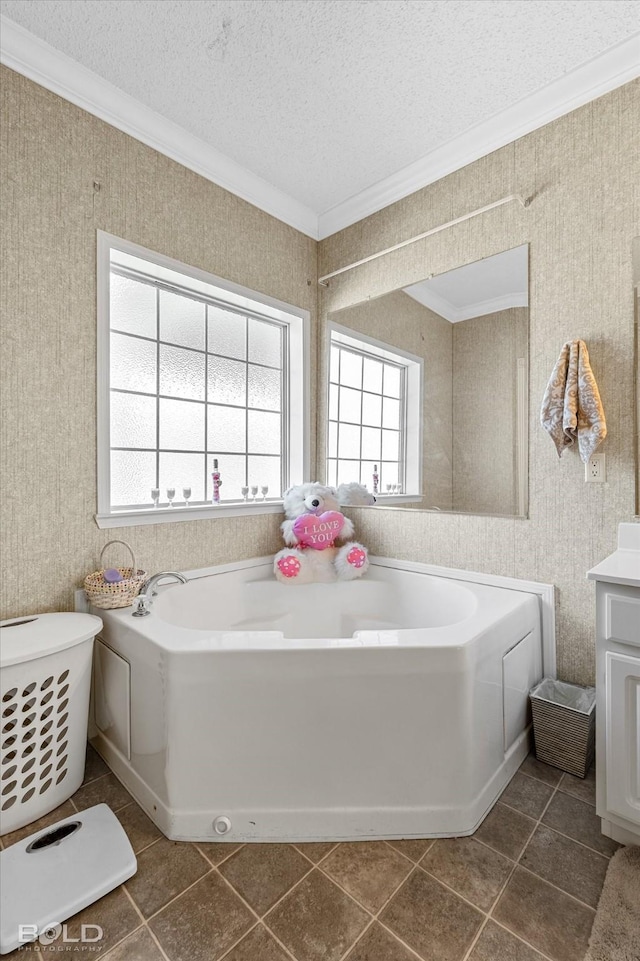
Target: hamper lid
{"points": [[36, 635]]}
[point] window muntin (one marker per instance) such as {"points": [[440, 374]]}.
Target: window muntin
{"points": [[366, 422], [374, 414], [178, 401], [195, 372]]}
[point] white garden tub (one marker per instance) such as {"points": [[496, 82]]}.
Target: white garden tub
{"points": [[393, 706]]}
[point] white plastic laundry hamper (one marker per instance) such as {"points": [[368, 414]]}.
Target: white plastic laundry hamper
{"points": [[45, 678]]}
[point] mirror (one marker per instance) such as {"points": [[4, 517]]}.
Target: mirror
{"points": [[427, 394]]}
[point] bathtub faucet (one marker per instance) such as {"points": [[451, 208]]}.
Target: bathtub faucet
{"points": [[149, 587]]}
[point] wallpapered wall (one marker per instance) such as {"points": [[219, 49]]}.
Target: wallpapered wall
{"points": [[484, 463], [584, 173], [52, 152]]}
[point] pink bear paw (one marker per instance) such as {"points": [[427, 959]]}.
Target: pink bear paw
{"points": [[289, 566], [356, 557]]}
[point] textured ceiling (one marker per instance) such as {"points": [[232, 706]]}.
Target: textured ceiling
{"points": [[324, 98]]}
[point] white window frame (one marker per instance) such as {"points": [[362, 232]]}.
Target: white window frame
{"points": [[413, 406], [296, 445]]}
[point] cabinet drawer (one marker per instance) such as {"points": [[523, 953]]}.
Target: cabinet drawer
{"points": [[623, 619]]}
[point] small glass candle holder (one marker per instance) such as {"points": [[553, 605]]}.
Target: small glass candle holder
{"points": [[186, 493], [155, 495], [254, 491], [171, 493], [264, 490], [245, 493]]}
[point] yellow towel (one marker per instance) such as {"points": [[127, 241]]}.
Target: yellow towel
{"points": [[571, 406]]}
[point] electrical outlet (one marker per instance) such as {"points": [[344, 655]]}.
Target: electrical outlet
{"points": [[594, 469]]}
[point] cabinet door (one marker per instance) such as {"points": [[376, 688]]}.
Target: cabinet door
{"points": [[623, 735]]}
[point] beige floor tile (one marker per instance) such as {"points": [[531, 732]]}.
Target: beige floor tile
{"points": [[551, 921], [317, 921], [578, 820], [258, 945], [370, 871], [538, 769], [203, 923], [496, 944], [506, 830], [471, 869], [316, 850], [139, 946], [114, 914], [581, 787], [569, 865], [198, 916], [140, 829], [65, 810], [164, 870], [527, 795], [104, 790], [377, 944], [217, 852], [435, 923], [28, 952], [412, 848], [262, 873], [94, 766]]}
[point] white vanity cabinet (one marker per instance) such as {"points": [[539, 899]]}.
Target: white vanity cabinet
{"points": [[618, 688]]}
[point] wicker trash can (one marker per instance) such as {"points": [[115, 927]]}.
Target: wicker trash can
{"points": [[564, 724]]}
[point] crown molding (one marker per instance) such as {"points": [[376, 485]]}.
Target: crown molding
{"points": [[613, 68], [444, 308], [39, 61], [22, 51]]}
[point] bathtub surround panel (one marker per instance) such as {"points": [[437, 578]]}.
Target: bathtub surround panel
{"points": [[583, 172], [65, 175], [297, 675]]}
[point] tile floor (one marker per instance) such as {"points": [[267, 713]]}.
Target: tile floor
{"points": [[523, 888]]}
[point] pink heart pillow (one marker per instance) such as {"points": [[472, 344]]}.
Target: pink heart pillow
{"points": [[318, 531]]}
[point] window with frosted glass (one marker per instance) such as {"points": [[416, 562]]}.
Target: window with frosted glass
{"points": [[366, 419], [192, 380]]}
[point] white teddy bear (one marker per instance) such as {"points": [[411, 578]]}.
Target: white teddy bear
{"points": [[319, 536]]}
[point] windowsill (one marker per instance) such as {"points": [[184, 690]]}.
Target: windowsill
{"points": [[386, 500], [170, 515]]}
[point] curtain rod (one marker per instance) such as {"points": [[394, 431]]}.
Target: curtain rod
{"points": [[524, 201]]}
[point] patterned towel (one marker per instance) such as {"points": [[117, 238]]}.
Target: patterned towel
{"points": [[571, 406]]}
